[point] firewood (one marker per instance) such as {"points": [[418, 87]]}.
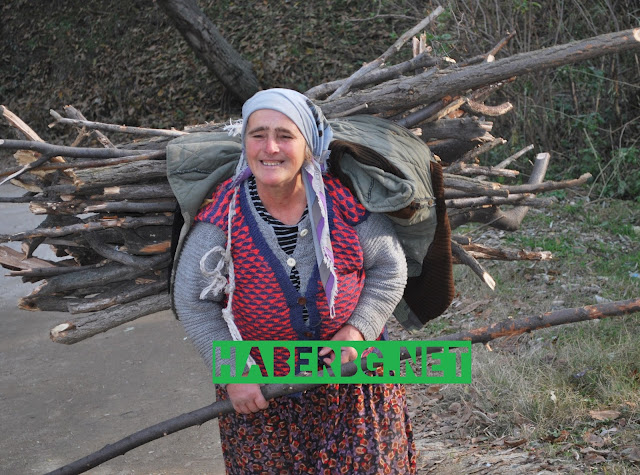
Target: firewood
{"points": [[81, 328], [125, 292], [109, 209], [109, 273]]}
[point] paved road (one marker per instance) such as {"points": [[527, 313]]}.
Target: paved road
{"points": [[59, 403]]}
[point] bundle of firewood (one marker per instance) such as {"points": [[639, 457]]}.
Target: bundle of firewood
{"points": [[108, 209]]}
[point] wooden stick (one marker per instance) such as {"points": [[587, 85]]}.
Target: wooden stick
{"points": [[79, 164], [109, 252], [478, 251], [122, 174], [126, 222], [81, 207], [115, 128], [198, 417], [376, 63], [44, 272], [19, 124], [509, 160], [81, 328], [72, 152], [525, 199], [417, 90], [73, 113], [17, 260], [123, 293], [467, 259], [107, 274], [27, 167], [377, 76]]}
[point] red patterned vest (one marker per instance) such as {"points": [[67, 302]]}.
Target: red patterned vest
{"points": [[266, 305]]}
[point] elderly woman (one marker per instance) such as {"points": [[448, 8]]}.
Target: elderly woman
{"points": [[285, 252]]}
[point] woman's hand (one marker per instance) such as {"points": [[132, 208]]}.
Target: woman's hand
{"points": [[346, 333], [246, 398]]}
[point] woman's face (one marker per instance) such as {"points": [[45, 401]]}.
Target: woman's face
{"points": [[274, 148]]}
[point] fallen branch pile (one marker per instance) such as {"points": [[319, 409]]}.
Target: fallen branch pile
{"points": [[108, 209]]}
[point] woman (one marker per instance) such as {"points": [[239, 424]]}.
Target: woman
{"points": [[284, 251]]}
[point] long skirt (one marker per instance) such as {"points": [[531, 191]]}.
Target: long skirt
{"points": [[347, 428]]}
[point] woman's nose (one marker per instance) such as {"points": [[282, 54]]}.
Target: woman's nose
{"points": [[271, 145]]}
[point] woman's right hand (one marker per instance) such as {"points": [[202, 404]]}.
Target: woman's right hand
{"points": [[246, 398]]}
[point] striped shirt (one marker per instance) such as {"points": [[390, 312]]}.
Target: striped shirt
{"points": [[287, 235]]}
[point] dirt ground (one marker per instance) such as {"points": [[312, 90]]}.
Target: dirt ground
{"points": [[60, 403]]}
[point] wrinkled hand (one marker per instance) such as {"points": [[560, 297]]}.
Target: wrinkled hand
{"points": [[246, 398], [346, 333]]}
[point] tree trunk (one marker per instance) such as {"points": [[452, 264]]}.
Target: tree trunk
{"points": [[234, 72]]}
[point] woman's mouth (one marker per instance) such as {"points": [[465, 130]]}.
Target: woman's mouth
{"points": [[270, 163]]}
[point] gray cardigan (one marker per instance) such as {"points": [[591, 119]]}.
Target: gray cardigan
{"points": [[385, 278]]}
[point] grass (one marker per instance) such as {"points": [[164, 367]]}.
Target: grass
{"points": [[542, 386]]}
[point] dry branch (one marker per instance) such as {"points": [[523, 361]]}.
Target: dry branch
{"points": [[124, 188], [418, 90], [88, 325], [114, 128], [378, 62]]}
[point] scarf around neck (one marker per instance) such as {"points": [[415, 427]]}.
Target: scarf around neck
{"points": [[318, 134]]}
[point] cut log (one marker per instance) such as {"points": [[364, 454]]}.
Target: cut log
{"points": [[136, 172], [85, 227], [109, 273], [81, 328], [123, 293]]}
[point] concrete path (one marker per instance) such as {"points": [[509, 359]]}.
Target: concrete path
{"points": [[59, 403]]}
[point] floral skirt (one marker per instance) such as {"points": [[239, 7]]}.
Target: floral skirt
{"points": [[347, 428]]}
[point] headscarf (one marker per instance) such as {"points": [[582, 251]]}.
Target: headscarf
{"points": [[317, 132]]}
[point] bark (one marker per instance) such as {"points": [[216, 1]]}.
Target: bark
{"points": [[135, 172], [109, 273], [234, 72], [81, 328], [83, 207], [424, 89], [124, 293], [480, 335], [85, 227]]}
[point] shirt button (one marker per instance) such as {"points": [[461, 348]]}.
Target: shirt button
{"points": [[304, 232], [291, 262], [302, 301]]}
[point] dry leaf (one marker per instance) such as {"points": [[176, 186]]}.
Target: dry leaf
{"points": [[564, 435], [604, 415], [594, 458], [515, 442], [632, 454], [593, 439]]}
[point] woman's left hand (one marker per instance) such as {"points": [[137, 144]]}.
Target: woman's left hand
{"points": [[346, 333]]}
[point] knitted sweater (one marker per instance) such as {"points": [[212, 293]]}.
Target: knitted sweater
{"points": [[383, 263]]}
